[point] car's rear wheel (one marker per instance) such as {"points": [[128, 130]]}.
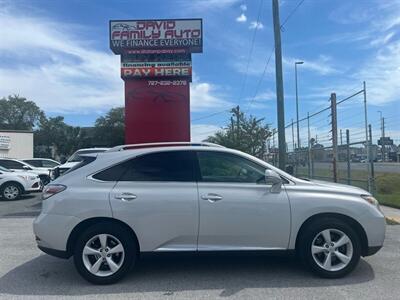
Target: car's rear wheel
{"points": [[104, 253], [330, 247], [11, 191]]}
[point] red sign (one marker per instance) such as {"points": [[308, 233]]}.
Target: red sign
{"points": [[157, 111]]}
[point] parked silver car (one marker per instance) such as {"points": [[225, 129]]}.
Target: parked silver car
{"points": [[200, 197]]}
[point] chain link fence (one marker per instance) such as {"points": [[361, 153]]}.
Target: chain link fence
{"points": [[337, 143]]}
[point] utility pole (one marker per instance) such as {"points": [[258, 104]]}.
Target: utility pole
{"points": [[297, 102], [341, 137], [279, 85], [383, 140], [368, 142], [334, 136], [371, 183], [348, 156], [293, 136], [309, 145]]}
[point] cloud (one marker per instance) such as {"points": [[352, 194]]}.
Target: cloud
{"points": [[207, 5], [322, 65], [203, 96], [54, 68], [380, 43], [200, 132], [255, 24], [65, 74], [242, 18], [243, 7]]}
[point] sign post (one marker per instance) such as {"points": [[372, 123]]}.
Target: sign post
{"points": [[156, 65]]}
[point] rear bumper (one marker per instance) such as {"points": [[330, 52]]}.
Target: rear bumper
{"points": [[52, 231], [373, 250]]}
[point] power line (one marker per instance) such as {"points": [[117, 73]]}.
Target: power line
{"points": [[261, 79], [211, 115], [291, 14], [247, 67], [251, 52]]}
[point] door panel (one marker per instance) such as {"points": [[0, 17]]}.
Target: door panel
{"points": [[247, 217], [164, 215], [157, 196], [237, 209]]}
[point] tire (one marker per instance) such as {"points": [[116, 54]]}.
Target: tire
{"points": [[321, 251], [102, 238], [11, 191]]}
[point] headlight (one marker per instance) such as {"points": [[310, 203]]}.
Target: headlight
{"points": [[52, 189], [370, 199]]}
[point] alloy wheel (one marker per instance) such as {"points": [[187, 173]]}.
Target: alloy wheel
{"points": [[103, 255], [332, 250]]}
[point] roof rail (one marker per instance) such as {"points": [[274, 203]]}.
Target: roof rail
{"points": [[162, 144]]}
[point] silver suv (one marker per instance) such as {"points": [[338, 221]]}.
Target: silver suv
{"points": [[200, 197]]}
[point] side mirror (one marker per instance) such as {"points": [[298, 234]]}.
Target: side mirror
{"points": [[26, 168], [273, 178]]}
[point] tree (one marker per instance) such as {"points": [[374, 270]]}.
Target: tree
{"points": [[247, 134], [110, 129], [17, 113], [55, 137]]}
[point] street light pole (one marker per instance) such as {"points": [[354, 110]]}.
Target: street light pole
{"points": [[297, 103]]}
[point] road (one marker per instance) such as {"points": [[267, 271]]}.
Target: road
{"points": [[27, 273]]}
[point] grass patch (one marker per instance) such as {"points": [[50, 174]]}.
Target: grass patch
{"points": [[390, 221], [388, 189]]}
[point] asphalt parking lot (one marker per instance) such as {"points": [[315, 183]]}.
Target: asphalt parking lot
{"points": [[27, 273]]}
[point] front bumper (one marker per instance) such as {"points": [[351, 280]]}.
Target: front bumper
{"points": [[56, 253], [35, 187]]}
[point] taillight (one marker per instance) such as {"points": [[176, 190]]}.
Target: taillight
{"points": [[52, 189]]}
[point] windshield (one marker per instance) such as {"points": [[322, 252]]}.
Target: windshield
{"points": [[77, 158], [4, 169]]}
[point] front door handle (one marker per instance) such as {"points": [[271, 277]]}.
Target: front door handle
{"points": [[211, 197], [125, 196]]}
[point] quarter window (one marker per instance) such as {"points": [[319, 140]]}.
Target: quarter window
{"points": [[226, 167], [160, 166]]}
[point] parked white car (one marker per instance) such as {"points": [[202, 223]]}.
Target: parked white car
{"points": [[18, 165], [199, 197], [74, 160], [13, 184], [42, 162]]}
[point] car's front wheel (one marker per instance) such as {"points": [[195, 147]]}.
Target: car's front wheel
{"points": [[330, 247], [104, 253], [11, 191]]}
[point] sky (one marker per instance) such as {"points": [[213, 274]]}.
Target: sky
{"points": [[57, 54]]}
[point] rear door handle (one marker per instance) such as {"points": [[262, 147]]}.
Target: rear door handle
{"points": [[211, 197], [125, 196]]}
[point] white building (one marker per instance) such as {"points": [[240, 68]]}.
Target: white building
{"points": [[16, 143]]}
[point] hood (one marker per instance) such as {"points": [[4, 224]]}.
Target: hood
{"points": [[338, 187], [21, 173]]}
